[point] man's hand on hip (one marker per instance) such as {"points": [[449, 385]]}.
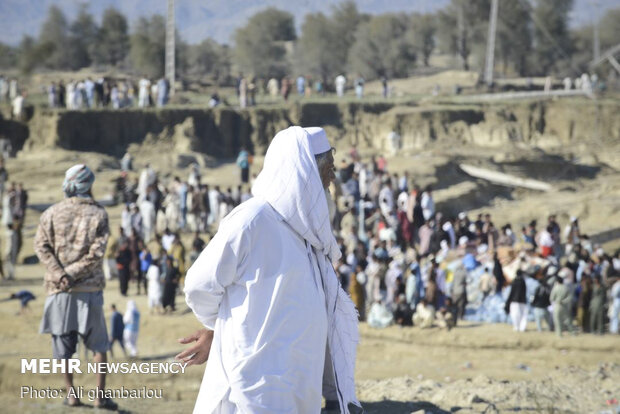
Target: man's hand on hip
{"points": [[199, 352]]}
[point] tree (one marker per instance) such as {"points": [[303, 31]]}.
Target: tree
{"points": [[551, 38], [345, 20], [32, 54], [148, 46], [382, 48], [8, 56], [316, 53], [112, 44], [463, 27], [259, 45], [609, 29], [514, 36], [423, 28], [209, 58], [54, 34], [82, 38]]}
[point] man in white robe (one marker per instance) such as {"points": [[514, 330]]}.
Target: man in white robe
{"points": [[265, 289]]}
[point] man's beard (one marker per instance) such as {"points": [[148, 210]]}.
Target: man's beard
{"points": [[331, 205]]}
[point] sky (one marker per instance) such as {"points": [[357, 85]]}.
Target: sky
{"points": [[200, 19]]}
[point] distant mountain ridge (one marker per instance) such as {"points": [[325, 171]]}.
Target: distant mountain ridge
{"points": [[200, 19]]}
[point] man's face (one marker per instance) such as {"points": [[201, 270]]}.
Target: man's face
{"points": [[327, 170]]}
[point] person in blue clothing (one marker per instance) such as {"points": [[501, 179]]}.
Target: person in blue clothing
{"points": [[118, 326], [24, 296], [243, 161], [145, 262], [301, 85], [132, 326]]}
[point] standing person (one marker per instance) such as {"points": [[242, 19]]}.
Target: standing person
{"points": [[149, 217], [274, 252], [171, 281], [427, 203], [115, 97], [286, 88], [70, 242], [384, 85], [341, 82], [131, 319], [146, 259], [541, 303], [89, 90], [583, 303], [109, 260], [177, 252], [12, 249], [597, 306], [4, 177], [359, 87], [273, 87], [243, 92], [61, 94], [154, 287], [614, 311], [123, 265], [162, 92], [498, 273], [143, 94], [4, 89], [301, 85], [118, 327], [516, 304], [243, 161], [18, 106], [459, 291], [52, 97], [562, 301]]}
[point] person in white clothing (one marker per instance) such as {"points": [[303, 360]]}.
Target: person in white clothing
{"points": [[427, 203], [143, 92], [341, 82], [154, 288], [149, 216], [132, 326], [280, 331]]}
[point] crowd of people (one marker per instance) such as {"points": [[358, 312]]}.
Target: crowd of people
{"points": [[403, 261], [108, 93], [248, 87], [407, 263], [148, 247]]}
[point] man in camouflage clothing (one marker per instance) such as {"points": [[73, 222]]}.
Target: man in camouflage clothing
{"points": [[71, 241]]}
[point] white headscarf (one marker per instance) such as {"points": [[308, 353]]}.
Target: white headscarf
{"points": [[291, 184], [128, 317]]}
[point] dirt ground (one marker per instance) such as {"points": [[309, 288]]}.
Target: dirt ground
{"points": [[472, 369]]}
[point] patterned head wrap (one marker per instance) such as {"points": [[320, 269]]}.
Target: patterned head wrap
{"points": [[78, 181]]}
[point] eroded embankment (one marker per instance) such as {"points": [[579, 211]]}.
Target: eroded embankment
{"points": [[221, 131]]}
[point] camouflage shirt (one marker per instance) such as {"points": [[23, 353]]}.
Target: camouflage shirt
{"points": [[71, 240]]}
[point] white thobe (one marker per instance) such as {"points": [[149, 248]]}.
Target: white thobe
{"points": [[258, 286]]}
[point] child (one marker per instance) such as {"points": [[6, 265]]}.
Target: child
{"points": [[118, 326], [132, 325]]}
